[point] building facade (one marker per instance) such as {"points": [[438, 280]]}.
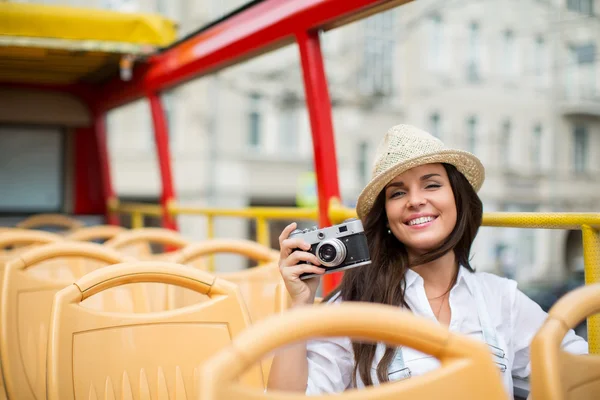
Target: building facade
{"points": [[515, 82]]}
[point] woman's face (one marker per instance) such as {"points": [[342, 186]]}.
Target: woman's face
{"points": [[420, 207]]}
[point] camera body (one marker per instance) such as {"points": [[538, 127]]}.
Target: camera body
{"points": [[337, 247]]}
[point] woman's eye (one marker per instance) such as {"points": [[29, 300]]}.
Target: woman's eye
{"points": [[433, 186], [396, 194]]}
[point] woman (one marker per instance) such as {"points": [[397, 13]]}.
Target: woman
{"points": [[421, 214]]}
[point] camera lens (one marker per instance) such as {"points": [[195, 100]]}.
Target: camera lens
{"points": [[327, 253], [331, 252]]}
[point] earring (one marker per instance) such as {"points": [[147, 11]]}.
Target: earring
{"points": [[389, 231]]}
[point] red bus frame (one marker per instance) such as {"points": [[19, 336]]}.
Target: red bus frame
{"points": [[259, 26]]}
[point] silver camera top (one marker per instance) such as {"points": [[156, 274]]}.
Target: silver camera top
{"points": [[348, 227]]}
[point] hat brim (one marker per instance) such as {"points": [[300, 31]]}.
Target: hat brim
{"points": [[465, 162]]}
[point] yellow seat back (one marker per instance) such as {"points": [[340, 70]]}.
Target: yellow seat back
{"points": [[25, 314], [136, 243], [467, 370], [55, 220], [90, 233], [256, 284], [156, 355], [556, 374], [18, 237]]}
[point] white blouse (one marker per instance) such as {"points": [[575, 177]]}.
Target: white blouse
{"points": [[515, 317]]}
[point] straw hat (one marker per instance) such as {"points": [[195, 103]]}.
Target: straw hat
{"points": [[404, 147]]}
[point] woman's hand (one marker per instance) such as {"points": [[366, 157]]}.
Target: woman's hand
{"points": [[292, 264]]}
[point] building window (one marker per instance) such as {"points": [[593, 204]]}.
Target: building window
{"points": [[510, 54], [582, 71], [539, 60], [580, 154], [254, 121], [434, 124], [581, 6], [472, 134], [436, 37], [288, 129], [505, 141], [376, 76], [363, 163], [536, 146], [474, 50]]}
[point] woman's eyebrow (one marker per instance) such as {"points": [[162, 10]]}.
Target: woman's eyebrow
{"points": [[395, 184], [401, 184]]}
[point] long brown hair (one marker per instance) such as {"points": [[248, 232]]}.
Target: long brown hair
{"points": [[384, 280]]}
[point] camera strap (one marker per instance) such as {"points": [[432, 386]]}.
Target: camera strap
{"points": [[398, 369]]}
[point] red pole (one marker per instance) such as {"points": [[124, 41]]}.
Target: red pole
{"points": [[102, 145], [319, 110], [161, 138]]}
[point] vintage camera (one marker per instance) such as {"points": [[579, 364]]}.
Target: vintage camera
{"points": [[337, 247]]}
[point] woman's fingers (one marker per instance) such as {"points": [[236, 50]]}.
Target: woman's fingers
{"points": [[286, 232], [297, 270], [297, 256], [289, 245]]}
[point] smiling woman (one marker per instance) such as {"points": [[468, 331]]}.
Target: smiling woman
{"points": [[420, 213]]}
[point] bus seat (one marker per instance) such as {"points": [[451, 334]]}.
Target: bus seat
{"points": [[96, 232], [556, 374], [128, 242], [18, 239], [46, 220], [25, 314], [282, 298], [467, 370], [10, 237], [136, 243], [257, 284], [155, 355]]}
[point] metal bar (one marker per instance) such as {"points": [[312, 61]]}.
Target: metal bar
{"points": [[262, 232], [110, 199], [319, 110], [542, 220], [210, 233], [161, 137], [591, 262], [338, 213], [262, 27], [250, 212], [137, 220], [146, 209]]}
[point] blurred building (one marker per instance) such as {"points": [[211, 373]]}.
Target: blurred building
{"points": [[515, 82]]}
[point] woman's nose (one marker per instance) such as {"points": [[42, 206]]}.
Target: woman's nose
{"points": [[415, 199]]}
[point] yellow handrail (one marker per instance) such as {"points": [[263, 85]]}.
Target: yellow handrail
{"points": [[249, 212]]}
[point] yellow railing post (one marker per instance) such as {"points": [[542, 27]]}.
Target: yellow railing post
{"points": [[591, 262], [210, 234], [137, 220], [262, 232]]}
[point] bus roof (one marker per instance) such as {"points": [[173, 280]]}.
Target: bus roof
{"points": [[41, 44]]}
